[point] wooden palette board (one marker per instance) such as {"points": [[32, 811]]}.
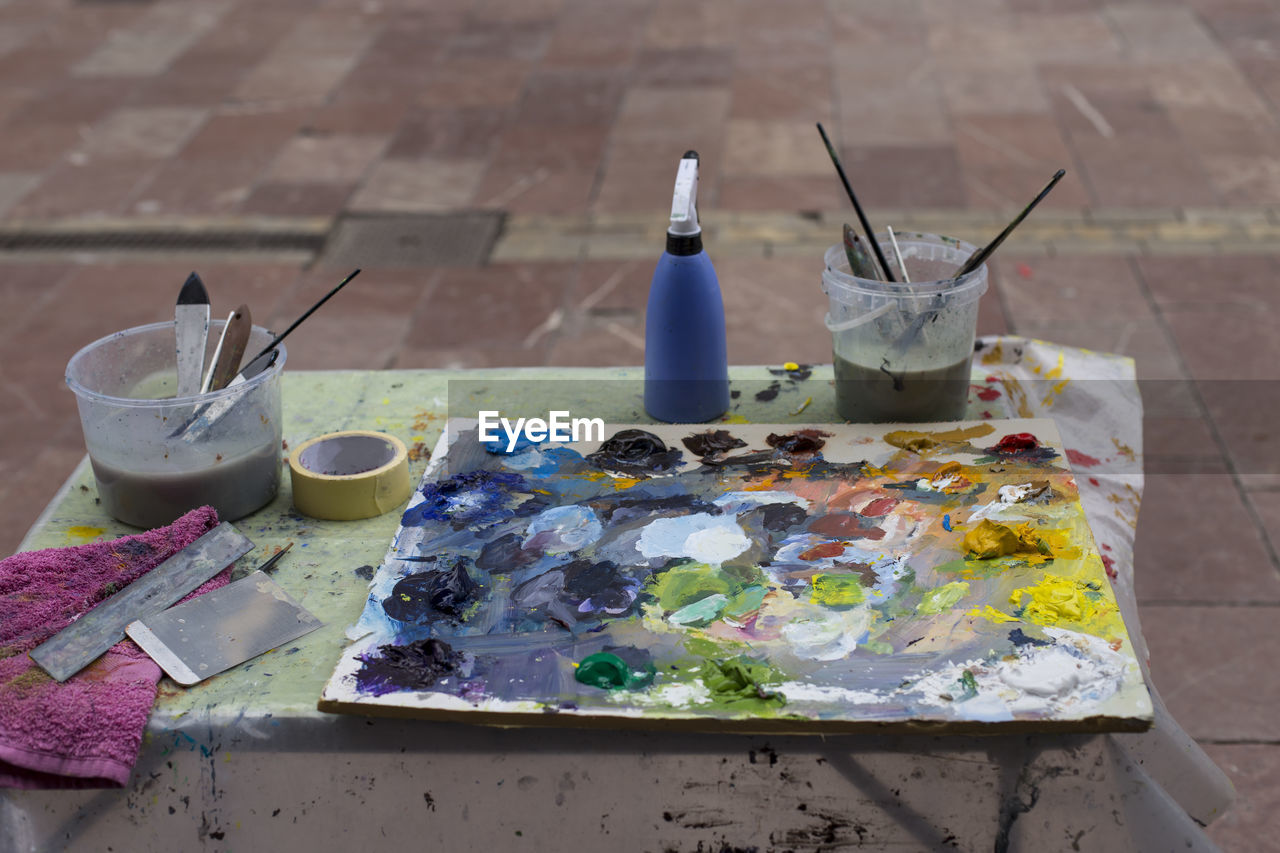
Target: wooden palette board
{"points": [[835, 578]]}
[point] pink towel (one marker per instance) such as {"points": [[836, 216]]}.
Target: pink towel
{"points": [[84, 732]]}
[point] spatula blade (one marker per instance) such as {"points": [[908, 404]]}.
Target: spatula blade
{"points": [[233, 346]]}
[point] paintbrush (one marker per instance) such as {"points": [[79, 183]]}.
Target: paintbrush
{"points": [[298, 322], [979, 257], [270, 562], [857, 208], [230, 349], [191, 325], [897, 253]]}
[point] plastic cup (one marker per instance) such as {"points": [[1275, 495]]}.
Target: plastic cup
{"points": [[149, 469], [902, 351]]}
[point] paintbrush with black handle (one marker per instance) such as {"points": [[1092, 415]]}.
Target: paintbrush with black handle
{"points": [[857, 208], [979, 257], [976, 260]]}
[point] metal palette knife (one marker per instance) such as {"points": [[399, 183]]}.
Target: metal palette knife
{"points": [[220, 629], [80, 643], [191, 321]]}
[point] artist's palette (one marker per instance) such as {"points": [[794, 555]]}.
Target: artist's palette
{"points": [[934, 578]]}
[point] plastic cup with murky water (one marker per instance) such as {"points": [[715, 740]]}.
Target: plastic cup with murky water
{"points": [[902, 351], [156, 456]]}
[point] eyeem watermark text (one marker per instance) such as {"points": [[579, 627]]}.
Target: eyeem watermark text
{"points": [[559, 426]]}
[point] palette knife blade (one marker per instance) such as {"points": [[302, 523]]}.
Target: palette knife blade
{"points": [[191, 321]]}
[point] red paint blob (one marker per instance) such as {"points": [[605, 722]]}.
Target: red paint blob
{"points": [[1093, 481], [826, 549], [841, 526], [1078, 458], [1017, 443], [1110, 565], [1106, 547], [993, 378], [987, 415], [988, 394], [1024, 270], [878, 507]]}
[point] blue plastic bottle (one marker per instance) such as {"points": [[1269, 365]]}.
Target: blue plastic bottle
{"points": [[686, 366]]}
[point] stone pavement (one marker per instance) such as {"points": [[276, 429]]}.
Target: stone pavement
{"points": [[502, 170]]}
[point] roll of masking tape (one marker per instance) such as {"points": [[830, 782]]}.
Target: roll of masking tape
{"points": [[344, 476]]}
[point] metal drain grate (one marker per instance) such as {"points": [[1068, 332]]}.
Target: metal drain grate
{"points": [[160, 241], [458, 239]]}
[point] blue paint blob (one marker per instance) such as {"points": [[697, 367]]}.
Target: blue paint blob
{"points": [[477, 497], [1018, 638], [946, 522]]}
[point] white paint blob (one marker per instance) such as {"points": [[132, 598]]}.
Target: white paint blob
{"points": [[735, 502], [705, 538], [828, 634], [562, 529]]}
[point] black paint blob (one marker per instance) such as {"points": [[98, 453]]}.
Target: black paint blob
{"points": [[504, 554], [781, 517], [418, 597], [801, 372], [711, 442], [800, 441], [635, 452], [620, 509], [769, 393], [416, 666]]}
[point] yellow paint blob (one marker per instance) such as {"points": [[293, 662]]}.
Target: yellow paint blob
{"points": [[1053, 600], [917, 441], [1059, 600], [837, 590], [991, 615], [83, 533], [790, 365], [1057, 371], [618, 483], [989, 540]]}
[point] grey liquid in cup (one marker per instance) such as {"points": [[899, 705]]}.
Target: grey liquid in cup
{"points": [[867, 395], [902, 351], [234, 487]]}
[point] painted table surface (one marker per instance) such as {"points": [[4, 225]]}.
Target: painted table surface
{"points": [[246, 759]]}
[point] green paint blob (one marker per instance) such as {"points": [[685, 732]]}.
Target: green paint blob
{"points": [[701, 611], [741, 683], [745, 602], [610, 672], [837, 590], [943, 597], [680, 586], [968, 686]]}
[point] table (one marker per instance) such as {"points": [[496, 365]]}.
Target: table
{"points": [[245, 760]]}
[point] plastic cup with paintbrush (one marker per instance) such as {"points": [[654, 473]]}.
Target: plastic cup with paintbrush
{"points": [[929, 381]]}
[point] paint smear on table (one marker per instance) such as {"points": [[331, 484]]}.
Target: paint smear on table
{"points": [[820, 578]]}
